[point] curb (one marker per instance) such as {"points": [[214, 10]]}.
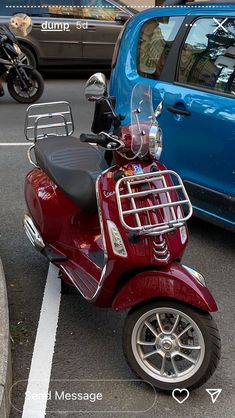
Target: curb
{"points": [[5, 353]]}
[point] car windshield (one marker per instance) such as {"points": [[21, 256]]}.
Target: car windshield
{"points": [[141, 118]]}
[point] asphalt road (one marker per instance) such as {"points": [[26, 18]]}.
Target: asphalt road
{"points": [[88, 342]]}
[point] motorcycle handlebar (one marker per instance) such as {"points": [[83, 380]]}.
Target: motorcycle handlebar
{"points": [[94, 139]]}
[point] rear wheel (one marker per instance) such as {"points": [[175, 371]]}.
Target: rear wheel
{"points": [[34, 90], [171, 345]]}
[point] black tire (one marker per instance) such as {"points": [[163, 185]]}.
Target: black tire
{"points": [[65, 288], [36, 77], [208, 330], [30, 57]]}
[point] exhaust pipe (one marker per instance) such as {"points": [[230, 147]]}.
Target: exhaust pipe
{"points": [[32, 233]]}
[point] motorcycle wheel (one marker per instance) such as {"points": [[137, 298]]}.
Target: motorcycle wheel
{"points": [[171, 345], [27, 57], [34, 92]]}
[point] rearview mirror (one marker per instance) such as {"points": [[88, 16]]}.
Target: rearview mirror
{"points": [[96, 87]]}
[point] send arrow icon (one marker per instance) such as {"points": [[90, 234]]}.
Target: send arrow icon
{"points": [[214, 394]]}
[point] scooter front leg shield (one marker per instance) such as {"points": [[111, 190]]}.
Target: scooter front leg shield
{"points": [[174, 281]]}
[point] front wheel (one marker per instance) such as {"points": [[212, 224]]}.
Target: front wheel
{"points": [[171, 345], [29, 93], [26, 57]]}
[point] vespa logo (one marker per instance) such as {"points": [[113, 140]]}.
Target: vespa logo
{"points": [[109, 194]]}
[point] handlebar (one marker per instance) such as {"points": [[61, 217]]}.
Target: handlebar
{"points": [[103, 139], [94, 139]]}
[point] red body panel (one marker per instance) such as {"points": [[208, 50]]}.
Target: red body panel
{"points": [[83, 237], [139, 255], [64, 227], [173, 281], [50, 209]]}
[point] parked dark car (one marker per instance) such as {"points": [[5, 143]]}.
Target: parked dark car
{"points": [[68, 32]]}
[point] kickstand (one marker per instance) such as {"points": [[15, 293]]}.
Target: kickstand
{"points": [[65, 288]]}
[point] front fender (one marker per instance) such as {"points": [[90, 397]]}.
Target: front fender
{"points": [[174, 281]]}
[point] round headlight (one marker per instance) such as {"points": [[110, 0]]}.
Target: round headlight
{"points": [[155, 141]]}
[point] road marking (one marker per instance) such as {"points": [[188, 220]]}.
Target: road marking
{"points": [[40, 370], [14, 144]]}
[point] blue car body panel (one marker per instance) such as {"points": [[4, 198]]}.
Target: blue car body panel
{"points": [[201, 148]]}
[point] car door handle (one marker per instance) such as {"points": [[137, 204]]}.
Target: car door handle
{"points": [[90, 28], [178, 111]]}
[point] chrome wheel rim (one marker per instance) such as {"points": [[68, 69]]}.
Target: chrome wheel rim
{"points": [[23, 59], [168, 345]]}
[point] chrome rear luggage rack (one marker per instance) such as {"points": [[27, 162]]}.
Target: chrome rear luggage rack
{"points": [[52, 118], [152, 219]]}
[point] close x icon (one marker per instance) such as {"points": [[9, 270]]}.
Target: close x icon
{"points": [[220, 25]]}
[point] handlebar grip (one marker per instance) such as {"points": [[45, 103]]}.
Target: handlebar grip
{"points": [[94, 139]]}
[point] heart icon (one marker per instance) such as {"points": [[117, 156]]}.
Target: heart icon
{"points": [[180, 395]]}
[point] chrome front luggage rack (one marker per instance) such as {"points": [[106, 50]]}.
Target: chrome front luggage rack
{"points": [[45, 119], [161, 213]]}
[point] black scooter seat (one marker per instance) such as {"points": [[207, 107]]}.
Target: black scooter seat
{"points": [[73, 166]]}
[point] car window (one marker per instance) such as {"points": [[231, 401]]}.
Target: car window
{"points": [[77, 9], [156, 39], [57, 8], [208, 55], [99, 10]]}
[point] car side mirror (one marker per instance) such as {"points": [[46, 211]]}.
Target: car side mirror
{"points": [[96, 87], [122, 18]]}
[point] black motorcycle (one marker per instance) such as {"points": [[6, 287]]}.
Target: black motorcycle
{"points": [[25, 84]]}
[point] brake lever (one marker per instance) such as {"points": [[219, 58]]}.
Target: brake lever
{"points": [[114, 142], [112, 146]]}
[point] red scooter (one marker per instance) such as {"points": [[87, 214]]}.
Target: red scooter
{"points": [[113, 222]]}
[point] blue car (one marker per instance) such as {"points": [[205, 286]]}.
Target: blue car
{"points": [[187, 55]]}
